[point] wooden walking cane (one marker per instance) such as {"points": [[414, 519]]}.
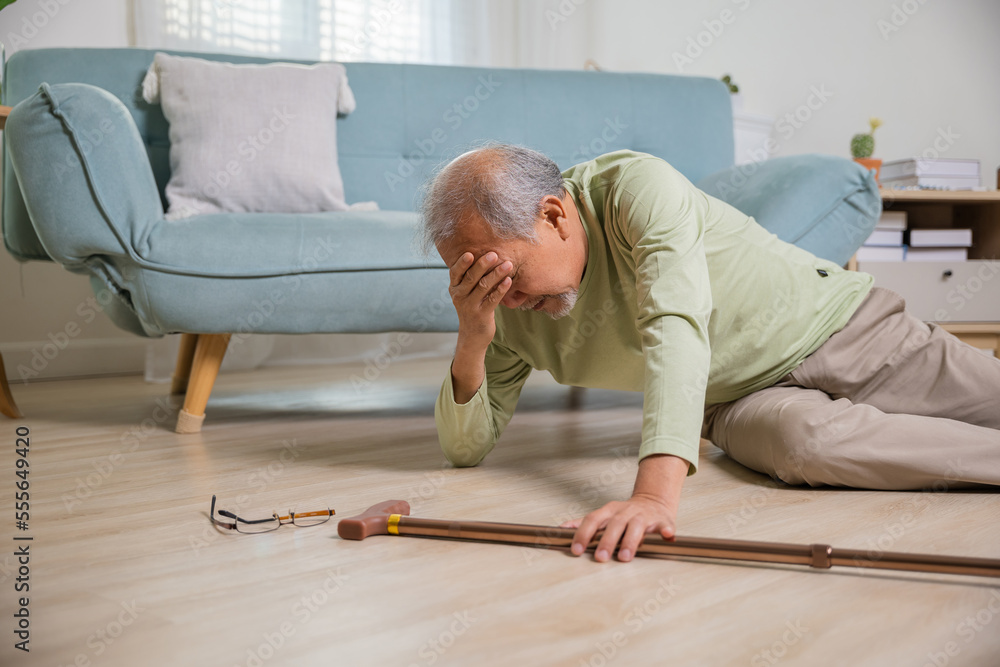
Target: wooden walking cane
{"points": [[390, 518]]}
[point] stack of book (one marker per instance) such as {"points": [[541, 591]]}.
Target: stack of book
{"points": [[885, 243], [939, 245], [891, 242], [931, 173]]}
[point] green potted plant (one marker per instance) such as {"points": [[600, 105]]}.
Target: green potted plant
{"points": [[863, 145], [734, 92]]}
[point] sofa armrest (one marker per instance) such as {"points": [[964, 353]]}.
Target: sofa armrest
{"points": [[825, 204], [84, 173]]}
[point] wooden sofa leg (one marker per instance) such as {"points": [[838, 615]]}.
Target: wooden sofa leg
{"points": [[7, 404], [575, 397], [185, 356], [208, 354]]}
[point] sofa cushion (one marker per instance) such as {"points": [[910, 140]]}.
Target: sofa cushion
{"points": [[825, 204], [79, 157], [335, 272], [250, 138], [273, 244]]}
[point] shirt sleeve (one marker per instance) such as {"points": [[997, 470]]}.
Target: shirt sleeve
{"points": [[468, 431], [662, 218]]}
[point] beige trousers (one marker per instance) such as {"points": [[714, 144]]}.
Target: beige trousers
{"points": [[888, 402]]}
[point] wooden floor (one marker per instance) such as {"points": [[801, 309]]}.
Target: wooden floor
{"points": [[125, 568]]}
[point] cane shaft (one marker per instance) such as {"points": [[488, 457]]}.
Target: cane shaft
{"points": [[813, 555]]}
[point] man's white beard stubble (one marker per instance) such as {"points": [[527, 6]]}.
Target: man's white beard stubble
{"points": [[556, 305]]}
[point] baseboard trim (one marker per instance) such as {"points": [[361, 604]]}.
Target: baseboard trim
{"points": [[35, 361]]}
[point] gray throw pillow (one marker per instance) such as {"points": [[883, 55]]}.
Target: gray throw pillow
{"points": [[250, 138]]}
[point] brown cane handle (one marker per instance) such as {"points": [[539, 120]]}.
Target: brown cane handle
{"points": [[373, 521]]}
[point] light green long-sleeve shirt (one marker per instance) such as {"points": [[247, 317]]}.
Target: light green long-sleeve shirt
{"points": [[683, 297]]}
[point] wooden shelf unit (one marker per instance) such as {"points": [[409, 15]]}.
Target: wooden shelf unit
{"points": [[961, 209]]}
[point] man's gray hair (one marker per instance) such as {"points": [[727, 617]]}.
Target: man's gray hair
{"points": [[501, 183]]}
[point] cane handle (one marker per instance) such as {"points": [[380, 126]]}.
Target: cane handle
{"points": [[373, 521]]}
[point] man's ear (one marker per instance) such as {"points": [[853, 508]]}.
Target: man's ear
{"points": [[553, 213]]}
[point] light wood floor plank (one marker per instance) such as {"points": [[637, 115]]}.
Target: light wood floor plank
{"points": [[126, 568]]}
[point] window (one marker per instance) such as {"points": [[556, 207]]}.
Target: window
{"points": [[344, 30]]}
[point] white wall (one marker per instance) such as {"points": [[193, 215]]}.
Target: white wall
{"points": [[925, 67], [36, 24], [35, 317]]}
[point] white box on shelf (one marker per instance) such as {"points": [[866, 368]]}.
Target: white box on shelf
{"points": [[930, 167], [895, 220], [941, 238], [885, 237], [877, 254], [937, 254]]}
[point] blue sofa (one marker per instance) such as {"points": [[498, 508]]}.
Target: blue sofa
{"points": [[86, 163]]}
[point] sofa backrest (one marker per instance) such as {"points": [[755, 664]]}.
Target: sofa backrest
{"points": [[410, 118]]}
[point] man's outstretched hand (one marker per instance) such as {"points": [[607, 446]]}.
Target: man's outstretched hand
{"points": [[651, 509]]}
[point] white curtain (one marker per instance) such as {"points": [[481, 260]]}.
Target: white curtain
{"points": [[486, 33], [425, 31], [499, 33]]}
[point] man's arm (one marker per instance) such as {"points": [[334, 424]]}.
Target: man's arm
{"points": [[468, 430], [478, 396], [663, 218]]}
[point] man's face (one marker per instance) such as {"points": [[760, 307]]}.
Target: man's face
{"points": [[545, 275]]}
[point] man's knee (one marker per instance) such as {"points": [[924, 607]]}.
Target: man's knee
{"points": [[805, 438]]}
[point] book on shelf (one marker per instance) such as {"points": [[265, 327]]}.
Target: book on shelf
{"points": [[880, 254], [932, 182], [941, 238], [892, 220], [923, 166], [885, 237], [937, 254]]}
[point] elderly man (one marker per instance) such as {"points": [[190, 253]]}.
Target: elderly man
{"points": [[618, 273]]}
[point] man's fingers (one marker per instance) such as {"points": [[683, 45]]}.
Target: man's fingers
{"points": [[609, 540], [475, 273], [489, 282], [625, 526], [496, 296], [468, 270], [665, 530], [575, 523], [585, 532], [457, 270], [632, 539], [480, 279]]}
